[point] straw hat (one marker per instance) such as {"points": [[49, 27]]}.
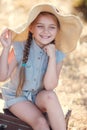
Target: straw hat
{"points": [[70, 27]]}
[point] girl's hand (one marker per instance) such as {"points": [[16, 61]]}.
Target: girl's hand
{"points": [[6, 38], [50, 50]]}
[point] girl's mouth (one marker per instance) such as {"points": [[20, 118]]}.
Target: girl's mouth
{"points": [[44, 37]]}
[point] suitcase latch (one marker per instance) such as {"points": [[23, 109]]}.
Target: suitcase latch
{"points": [[3, 126]]}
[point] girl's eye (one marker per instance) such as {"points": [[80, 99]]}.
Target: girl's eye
{"points": [[40, 26], [52, 27]]}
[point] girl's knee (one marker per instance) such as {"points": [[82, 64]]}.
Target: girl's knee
{"points": [[49, 96], [45, 99]]}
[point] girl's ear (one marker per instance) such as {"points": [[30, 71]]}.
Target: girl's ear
{"points": [[31, 28]]}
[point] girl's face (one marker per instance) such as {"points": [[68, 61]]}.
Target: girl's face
{"points": [[44, 29]]}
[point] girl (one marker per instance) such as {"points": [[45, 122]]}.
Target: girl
{"points": [[33, 67]]}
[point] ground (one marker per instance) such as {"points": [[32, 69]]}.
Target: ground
{"points": [[72, 88]]}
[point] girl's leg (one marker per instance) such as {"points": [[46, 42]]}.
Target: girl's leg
{"points": [[48, 101], [30, 114]]}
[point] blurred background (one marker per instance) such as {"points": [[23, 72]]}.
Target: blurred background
{"points": [[72, 88]]}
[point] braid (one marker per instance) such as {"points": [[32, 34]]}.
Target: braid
{"points": [[24, 61], [27, 48]]}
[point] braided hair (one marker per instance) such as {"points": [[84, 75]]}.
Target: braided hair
{"points": [[24, 61]]}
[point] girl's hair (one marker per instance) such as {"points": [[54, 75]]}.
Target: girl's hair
{"points": [[25, 57], [24, 61]]}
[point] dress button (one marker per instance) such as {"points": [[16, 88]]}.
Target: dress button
{"points": [[32, 90], [38, 58], [40, 52], [34, 79]]}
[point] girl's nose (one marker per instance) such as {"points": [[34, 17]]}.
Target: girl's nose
{"points": [[46, 30]]}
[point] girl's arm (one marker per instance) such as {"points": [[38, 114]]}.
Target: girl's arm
{"points": [[53, 70], [7, 58]]}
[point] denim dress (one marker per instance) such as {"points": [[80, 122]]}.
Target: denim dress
{"points": [[35, 69]]}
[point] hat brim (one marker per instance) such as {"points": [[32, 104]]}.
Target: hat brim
{"points": [[67, 37]]}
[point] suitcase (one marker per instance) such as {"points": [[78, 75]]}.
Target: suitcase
{"points": [[9, 122]]}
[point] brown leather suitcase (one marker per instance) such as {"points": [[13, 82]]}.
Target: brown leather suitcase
{"points": [[8, 122]]}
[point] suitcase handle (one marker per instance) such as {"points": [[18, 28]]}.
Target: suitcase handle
{"points": [[3, 126]]}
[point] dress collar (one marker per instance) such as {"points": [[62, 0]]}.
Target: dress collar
{"points": [[36, 48]]}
